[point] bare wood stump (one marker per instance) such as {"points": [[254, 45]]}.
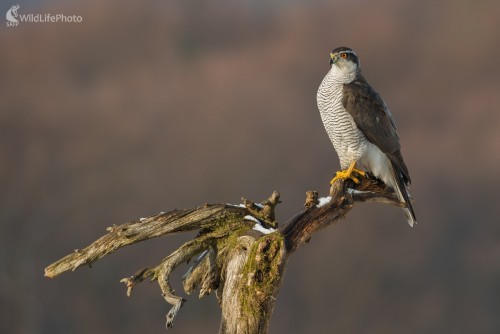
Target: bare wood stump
{"points": [[239, 251]]}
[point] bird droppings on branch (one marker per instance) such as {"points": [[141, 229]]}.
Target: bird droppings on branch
{"points": [[322, 201]]}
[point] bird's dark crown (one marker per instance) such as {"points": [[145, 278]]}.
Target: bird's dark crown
{"points": [[342, 48]]}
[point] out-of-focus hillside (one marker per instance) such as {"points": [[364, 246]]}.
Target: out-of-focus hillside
{"points": [[155, 106]]}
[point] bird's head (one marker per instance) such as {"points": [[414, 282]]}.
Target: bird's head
{"points": [[345, 64]]}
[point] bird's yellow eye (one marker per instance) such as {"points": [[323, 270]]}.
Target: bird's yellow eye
{"points": [[343, 55]]}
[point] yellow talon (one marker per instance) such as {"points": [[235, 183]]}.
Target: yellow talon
{"points": [[342, 175], [347, 174]]}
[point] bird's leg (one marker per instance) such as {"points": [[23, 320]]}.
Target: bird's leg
{"points": [[347, 173]]}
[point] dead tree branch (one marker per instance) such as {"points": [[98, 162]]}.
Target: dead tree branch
{"points": [[239, 251]]}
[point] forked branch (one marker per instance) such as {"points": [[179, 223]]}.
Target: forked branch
{"points": [[238, 251]]}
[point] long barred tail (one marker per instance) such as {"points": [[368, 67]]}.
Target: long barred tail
{"points": [[403, 195]]}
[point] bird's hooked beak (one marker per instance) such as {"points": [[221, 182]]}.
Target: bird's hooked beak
{"points": [[333, 58]]}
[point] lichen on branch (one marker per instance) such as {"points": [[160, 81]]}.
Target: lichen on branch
{"points": [[240, 251]]}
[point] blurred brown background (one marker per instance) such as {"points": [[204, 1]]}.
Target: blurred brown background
{"points": [[169, 104]]}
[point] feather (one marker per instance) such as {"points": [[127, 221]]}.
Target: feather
{"points": [[376, 123]]}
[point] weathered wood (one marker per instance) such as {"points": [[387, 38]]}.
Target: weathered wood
{"points": [[240, 254], [146, 228], [253, 277], [343, 196]]}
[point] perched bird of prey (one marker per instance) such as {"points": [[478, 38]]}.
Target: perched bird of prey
{"points": [[361, 127]]}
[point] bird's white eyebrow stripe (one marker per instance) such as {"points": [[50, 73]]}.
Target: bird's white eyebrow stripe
{"points": [[347, 51]]}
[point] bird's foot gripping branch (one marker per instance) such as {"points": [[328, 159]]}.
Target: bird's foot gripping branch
{"points": [[239, 251]]}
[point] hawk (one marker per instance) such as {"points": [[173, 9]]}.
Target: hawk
{"points": [[361, 128]]}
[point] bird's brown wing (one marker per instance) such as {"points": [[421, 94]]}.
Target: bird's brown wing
{"points": [[375, 121]]}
